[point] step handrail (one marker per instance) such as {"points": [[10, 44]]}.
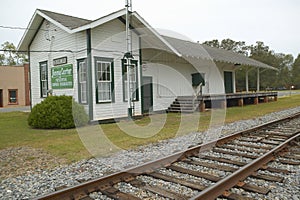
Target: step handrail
{"points": [[196, 95]]}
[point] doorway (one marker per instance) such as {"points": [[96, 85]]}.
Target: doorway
{"points": [[228, 82], [147, 94]]}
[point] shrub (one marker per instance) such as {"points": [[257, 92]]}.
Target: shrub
{"points": [[57, 112]]}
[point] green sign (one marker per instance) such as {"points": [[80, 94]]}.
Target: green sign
{"points": [[62, 77]]}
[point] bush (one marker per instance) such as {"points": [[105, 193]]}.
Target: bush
{"points": [[57, 112]]}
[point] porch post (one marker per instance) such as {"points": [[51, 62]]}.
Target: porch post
{"points": [[234, 83], [258, 81], [247, 80]]}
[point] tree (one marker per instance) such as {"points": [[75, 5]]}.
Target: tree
{"points": [[282, 62], [231, 45], [212, 43], [10, 56], [2, 59], [238, 47], [262, 53], [9, 53], [296, 72]]}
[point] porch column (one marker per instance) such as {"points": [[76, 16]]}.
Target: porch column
{"points": [[202, 106], [234, 82], [241, 102], [258, 81], [255, 101], [247, 80]]}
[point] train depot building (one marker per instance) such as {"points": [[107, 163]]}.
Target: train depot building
{"points": [[89, 61]]}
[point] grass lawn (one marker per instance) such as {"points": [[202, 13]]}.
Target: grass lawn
{"points": [[67, 143]]}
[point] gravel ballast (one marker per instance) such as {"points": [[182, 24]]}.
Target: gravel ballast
{"points": [[38, 180]]}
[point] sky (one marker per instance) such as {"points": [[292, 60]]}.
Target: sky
{"points": [[274, 22]]}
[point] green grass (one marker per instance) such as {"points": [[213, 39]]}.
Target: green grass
{"points": [[68, 144], [16, 132]]}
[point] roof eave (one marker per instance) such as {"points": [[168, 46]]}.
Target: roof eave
{"points": [[54, 22], [100, 21], [32, 28], [29, 32], [157, 34]]}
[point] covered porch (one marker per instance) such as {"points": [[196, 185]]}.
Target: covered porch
{"points": [[175, 90]]}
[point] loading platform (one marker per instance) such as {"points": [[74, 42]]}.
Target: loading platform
{"points": [[190, 104]]}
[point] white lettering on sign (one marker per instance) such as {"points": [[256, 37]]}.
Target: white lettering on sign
{"points": [[60, 61]]}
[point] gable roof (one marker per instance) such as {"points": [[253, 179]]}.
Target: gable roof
{"points": [[179, 47], [72, 24], [68, 21], [192, 49]]}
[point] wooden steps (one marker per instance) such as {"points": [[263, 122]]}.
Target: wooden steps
{"points": [[183, 105]]}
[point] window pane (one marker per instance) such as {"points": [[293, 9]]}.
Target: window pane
{"points": [[83, 93], [133, 82], [104, 81], [43, 79], [12, 96], [82, 76], [104, 91]]}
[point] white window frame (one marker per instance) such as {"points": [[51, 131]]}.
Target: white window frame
{"points": [[133, 81], [44, 82], [82, 81], [104, 93]]}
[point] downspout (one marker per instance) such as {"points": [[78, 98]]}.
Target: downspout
{"points": [[141, 75], [89, 74], [29, 79]]}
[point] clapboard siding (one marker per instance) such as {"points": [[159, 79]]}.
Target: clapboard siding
{"points": [[54, 40], [108, 41], [173, 79]]}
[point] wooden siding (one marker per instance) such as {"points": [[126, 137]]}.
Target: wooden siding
{"points": [[60, 40], [172, 79], [108, 41]]}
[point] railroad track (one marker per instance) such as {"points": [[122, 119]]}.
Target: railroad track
{"points": [[223, 169]]}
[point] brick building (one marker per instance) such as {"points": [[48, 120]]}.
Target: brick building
{"points": [[14, 86]]}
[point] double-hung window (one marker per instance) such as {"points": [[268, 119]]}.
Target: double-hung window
{"points": [[105, 82], [44, 79], [133, 77], [82, 81]]}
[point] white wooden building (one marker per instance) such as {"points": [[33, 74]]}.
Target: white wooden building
{"points": [[84, 59]]}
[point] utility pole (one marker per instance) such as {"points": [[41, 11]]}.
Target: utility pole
{"points": [[129, 57]]}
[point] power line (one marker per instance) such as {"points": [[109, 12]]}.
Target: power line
{"points": [[39, 51], [22, 28], [61, 50]]}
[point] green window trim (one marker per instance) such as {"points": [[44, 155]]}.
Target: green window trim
{"points": [[136, 97], [43, 79], [81, 83], [103, 60]]}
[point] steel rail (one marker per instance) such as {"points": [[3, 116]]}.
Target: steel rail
{"points": [[233, 179], [81, 190]]}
